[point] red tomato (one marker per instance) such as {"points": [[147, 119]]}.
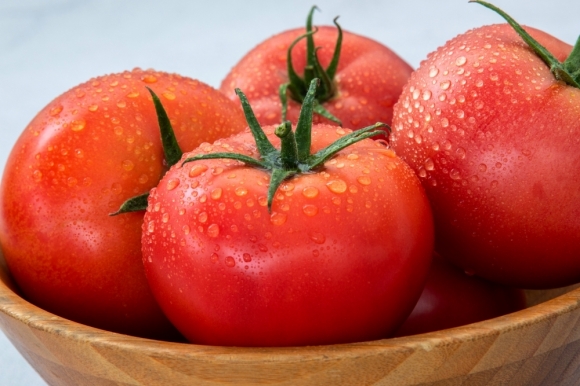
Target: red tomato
{"points": [[493, 137], [341, 257], [368, 80], [451, 298], [84, 154]]}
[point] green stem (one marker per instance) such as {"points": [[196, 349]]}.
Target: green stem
{"points": [[288, 148]]}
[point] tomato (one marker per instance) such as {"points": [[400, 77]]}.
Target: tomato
{"points": [[364, 87], [451, 298], [85, 153], [492, 135], [336, 254]]}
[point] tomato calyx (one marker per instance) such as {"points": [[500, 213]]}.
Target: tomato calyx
{"points": [[171, 150], [297, 86], [567, 71], [294, 156]]}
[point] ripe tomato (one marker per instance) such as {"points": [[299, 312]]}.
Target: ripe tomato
{"points": [[493, 137], [341, 257], [85, 153], [451, 298], [366, 83]]}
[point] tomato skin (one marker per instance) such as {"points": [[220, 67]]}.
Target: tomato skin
{"points": [[369, 77], [493, 138], [451, 298], [84, 154], [323, 267]]}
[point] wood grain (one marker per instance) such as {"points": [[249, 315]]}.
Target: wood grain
{"points": [[536, 346]]}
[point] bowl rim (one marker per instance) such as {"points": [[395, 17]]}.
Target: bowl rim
{"points": [[16, 307]]}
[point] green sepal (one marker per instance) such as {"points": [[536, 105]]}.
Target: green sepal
{"points": [[568, 72], [133, 204], [263, 144], [304, 124], [277, 177], [321, 156], [226, 155], [331, 69], [171, 148]]}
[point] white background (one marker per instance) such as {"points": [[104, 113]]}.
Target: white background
{"points": [[49, 46]]}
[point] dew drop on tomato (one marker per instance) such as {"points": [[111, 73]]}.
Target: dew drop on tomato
{"points": [[230, 261]]}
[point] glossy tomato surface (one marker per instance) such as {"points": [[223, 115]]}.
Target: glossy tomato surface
{"points": [[494, 139], [342, 256], [83, 155], [369, 77], [451, 298]]}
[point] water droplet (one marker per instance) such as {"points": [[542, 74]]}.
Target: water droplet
{"points": [[121, 104], [213, 230], [165, 217], [421, 172], [133, 94], [287, 187], [454, 174], [433, 72], [217, 171], [426, 95], [93, 108], [364, 180], [169, 95], [151, 226], [493, 76], [149, 78], [352, 156], [143, 178], [118, 130], [37, 175], [241, 191], [173, 183], [494, 184], [55, 110], [77, 125], [216, 193], [202, 217], [277, 218], [444, 122], [445, 85], [197, 170], [186, 229], [429, 164], [337, 186], [460, 61], [128, 165], [310, 192], [310, 210], [71, 181], [230, 262], [317, 237], [479, 83], [416, 94], [247, 257], [460, 152], [460, 114], [214, 257]]}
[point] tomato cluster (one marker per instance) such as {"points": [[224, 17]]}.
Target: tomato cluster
{"points": [[151, 204]]}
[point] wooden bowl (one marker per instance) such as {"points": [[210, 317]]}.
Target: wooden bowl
{"points": [[536, 346]]}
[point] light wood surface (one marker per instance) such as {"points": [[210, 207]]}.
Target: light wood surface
{"points": [[536, 346]]}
